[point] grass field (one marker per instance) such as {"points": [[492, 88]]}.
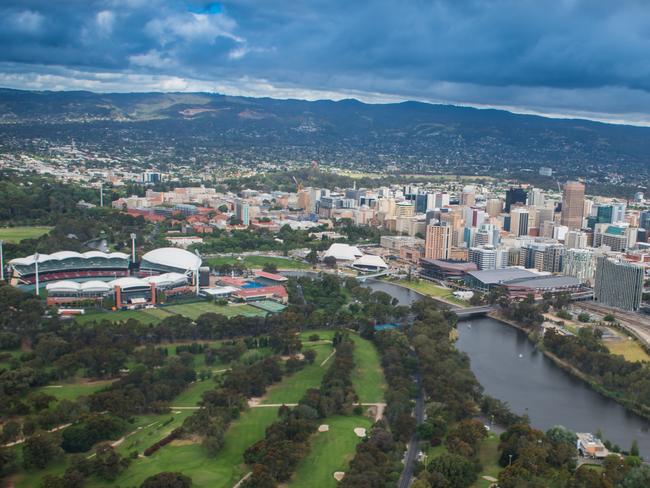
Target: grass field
{"points": [[367, 377], [154, 315], [71, 391], [630, 349], [17, 234], [258, 262], [329, 452], [489, 457], [432, 290]]}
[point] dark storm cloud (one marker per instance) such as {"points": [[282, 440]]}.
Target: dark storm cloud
{"points": [[564, 57]]}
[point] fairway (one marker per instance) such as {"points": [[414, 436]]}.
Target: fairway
{"points": [[71, 391], [255, 262], [329, 452], [367, 377], [17, 234]]}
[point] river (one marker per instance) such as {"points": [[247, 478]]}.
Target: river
{"points": [[510, 368]]}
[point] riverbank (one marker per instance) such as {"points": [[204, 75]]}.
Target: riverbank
{"points": [[630, 405]]}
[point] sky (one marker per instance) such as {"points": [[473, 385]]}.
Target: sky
{"points": [[562, 58]]}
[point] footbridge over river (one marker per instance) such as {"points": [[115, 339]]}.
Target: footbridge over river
{"points": [[466, 313]]}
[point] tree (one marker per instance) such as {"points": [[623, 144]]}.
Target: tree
{"points": [[457, 470], [10, 431], [270, 268], [330, 262], [40, 449], [634, 450], [167, 480], [310, 356], [108, 464], [638, 477]]}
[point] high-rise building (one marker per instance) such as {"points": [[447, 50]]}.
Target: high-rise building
{"points": [[618, 212], [542, 256], [618, 283], [536, 197], [573, 204], [514, 196], [579, 263], [519, 221], [485, 257], [242, 210], [468, 196], [437, 242], [494, 206], [644, 220], [404, 209], [575, 240]]}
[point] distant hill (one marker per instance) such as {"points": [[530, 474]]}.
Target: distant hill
{"points": [[409, 135]]}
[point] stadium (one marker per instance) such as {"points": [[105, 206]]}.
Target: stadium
{"points": [[72, 277]]}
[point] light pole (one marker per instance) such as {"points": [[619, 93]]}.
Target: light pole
{"points": [[509, 459], [2, 263], [36, 263], [133, 248]]}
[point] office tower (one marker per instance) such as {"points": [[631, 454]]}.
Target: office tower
{"points": [[644, 220], [536, 197], [617, 237], [441, 199], [437, 242], [600, 214], [618, 212], [468, 196], [404, 209], [579, 263], [514, 196], [485, 257], [304, 200], [519, 218], [560, 232], [474, 217], [494, 206], [487, 234], [575, 239], [242, 211], [618, 283], [542, 256], [421, 202], [573, 203]]}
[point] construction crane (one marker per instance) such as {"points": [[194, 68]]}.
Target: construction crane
{"points": [[298, 184]]}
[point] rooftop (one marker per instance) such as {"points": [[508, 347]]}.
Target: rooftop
{"points": [[498, 276]]}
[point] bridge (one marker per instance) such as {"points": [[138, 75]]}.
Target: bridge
{"points": [[466, 313], [362, 278]]}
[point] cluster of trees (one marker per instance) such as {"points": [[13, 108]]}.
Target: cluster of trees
{"points": [[377, 460], [225, 403], [274, 458], [628, 381]]}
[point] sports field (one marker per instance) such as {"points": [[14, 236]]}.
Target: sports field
{"points": [[154, 315], [329, 452], [255, 262], [17, 234]]}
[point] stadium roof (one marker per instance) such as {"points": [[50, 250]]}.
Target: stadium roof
{"points": [[173, 257], [129, 282], [343, 252], [498, 276], [166, 279], [73, 286], [61, 255]]}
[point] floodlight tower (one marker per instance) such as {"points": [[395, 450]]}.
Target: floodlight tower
{"points": [[2, 263], [37, 283], [133, 247]]}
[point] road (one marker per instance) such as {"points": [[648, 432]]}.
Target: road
{"points": [[412, 450], [638, 324]]}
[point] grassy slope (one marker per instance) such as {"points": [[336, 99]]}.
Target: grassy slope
{"points": [[631, 350], [489, 457], [329, 452], [367, 377], [258, 262], [433, 290], [71, 391], [17, 234]]}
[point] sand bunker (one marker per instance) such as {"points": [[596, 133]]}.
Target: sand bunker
{"points": [[338, 475], [360, 431], [323, 428]]}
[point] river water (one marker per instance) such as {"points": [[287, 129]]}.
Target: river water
{"points": [[510, 368]]}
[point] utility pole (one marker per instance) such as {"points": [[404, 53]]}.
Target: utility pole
{"points": [[133, 247], [101, 194], [37, 283], [2, 263]]}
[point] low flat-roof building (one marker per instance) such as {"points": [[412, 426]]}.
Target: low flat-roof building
{"points": [[443, 269], [487, 279], [539, 285]]}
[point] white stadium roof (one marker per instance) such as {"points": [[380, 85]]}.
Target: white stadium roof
{"points": [[61, 255], [173, 257], [166, 279], [129, 282], [370, 261], [73, 286], [343, 252]]}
